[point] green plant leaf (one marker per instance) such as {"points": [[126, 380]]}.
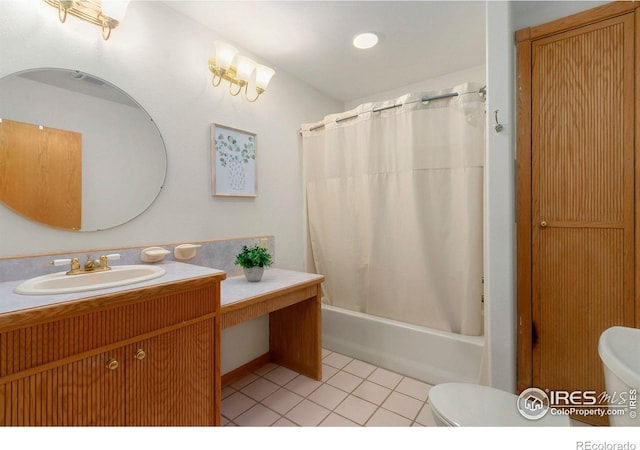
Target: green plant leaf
{"points": [[254, 256]]}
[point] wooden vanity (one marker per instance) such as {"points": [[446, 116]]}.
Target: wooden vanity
{"points": [[144, 356], [148, 355]]}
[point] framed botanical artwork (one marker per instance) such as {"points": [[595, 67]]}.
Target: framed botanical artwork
{"points": [[233, 155]]}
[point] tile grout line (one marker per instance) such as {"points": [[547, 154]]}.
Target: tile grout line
{"points": [[378, 405]]}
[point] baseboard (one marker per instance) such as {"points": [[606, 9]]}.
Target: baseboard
{"points": [[245, 369]]}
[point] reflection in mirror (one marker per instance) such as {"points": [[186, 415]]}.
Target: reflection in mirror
{"points": [[120, 162]]}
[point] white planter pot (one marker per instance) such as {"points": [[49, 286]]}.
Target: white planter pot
{"points": [[253, 273]]}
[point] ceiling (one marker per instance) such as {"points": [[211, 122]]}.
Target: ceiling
{"points": [[311, 40]]}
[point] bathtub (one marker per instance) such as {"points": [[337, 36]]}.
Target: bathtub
{"points": [[422, 353]]}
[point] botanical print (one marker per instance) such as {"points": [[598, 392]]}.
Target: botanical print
{"points": [[234, 161]]}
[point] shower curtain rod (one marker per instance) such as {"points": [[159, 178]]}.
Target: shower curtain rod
{"points": [[482, 91]]}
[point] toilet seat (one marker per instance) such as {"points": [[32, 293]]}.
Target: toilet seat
{"points": [[464, 404]]}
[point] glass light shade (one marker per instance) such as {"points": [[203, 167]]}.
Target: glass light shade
{"points": [[365, 40], [224, 54], [116, 9], [263, 76], [245, 68]]}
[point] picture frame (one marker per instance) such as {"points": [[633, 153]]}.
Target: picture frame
{"points": [[233, 162]]}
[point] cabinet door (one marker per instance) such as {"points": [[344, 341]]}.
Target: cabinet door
{"points": [[82, 393], [583, 199], [170, 379]]}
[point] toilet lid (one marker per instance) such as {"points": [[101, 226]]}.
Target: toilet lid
{"points": [[463, 404]]}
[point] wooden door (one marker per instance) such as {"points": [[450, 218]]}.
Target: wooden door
{"points": [[41, 173], [582, 148], [172, 383], [81, 393]]}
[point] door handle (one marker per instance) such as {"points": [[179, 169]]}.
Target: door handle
{"points": [[543, 224]]}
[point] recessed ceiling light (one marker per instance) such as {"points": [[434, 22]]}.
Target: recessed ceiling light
{"points": [[365, 40]]}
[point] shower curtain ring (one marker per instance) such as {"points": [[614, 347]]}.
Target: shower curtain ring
{"points": [[498, 127]]}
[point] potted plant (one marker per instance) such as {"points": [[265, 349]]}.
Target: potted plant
{"points": [[253, 260]]}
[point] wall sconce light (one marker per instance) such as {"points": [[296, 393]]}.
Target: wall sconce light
{"points": [[238, 70], [107, 14]]}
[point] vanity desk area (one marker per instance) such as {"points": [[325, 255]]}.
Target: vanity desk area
{"points": [[146, 354], [292, 300]]}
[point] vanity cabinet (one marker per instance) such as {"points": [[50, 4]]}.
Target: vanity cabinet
{"points": [[169, 378], [141, 357], [79, 393]]}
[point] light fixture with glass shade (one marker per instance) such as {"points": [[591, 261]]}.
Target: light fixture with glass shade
{"points": [[107, 14], [238, 70], [365, 41]]}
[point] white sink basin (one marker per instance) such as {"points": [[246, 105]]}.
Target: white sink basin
{"points": [[61, 283]]}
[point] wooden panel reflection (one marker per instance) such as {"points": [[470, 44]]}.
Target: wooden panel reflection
{"points": [[41, 173]]}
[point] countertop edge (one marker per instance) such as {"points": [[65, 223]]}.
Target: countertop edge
{"points": [[95, 301]]}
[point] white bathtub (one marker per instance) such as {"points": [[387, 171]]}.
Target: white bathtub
{"points": [[429, 355]]}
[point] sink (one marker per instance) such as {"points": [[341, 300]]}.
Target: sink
{"points": [[61, 283], [619, 350]]}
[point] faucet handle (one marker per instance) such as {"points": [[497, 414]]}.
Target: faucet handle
{"points": [[112, 257], [61, 262], [75, 264], [104, 258]]}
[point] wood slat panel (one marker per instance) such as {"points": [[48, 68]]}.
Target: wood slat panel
{"points": [[67, 382], [580, 291], [579, 295], [579, 121], [169, 387], [83, 333], [41, 173], [582, 158], [83, 393], [235, 313]]}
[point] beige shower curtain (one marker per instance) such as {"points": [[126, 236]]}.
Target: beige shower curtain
{"points": [[394, 204]]}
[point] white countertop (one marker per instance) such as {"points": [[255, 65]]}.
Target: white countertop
{"points": [[175, 271], [236, 289]]}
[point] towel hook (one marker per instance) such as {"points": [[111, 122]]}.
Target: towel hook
{"points": [[498, 127]]}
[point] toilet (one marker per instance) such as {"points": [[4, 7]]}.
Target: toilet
{"points": [[619, 350], [472, 405]]}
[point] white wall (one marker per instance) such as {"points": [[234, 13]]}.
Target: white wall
{"points": [[503, 19], [476, 73], [530, 13], [499, 226], [160, 59]]}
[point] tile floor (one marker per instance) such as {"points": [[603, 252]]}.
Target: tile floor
{"points": [[352, 393]]}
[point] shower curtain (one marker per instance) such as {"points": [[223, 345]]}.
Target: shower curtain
{"points": [[394, 208]]}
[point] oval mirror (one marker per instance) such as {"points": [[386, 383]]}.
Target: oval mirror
{"points": [[76, 152]]}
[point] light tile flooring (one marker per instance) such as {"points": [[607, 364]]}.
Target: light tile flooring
{"points": [[352, 393]]}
